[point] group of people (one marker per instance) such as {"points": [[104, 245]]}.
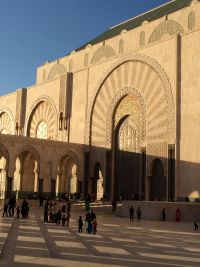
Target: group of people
{"points": [[61, 216], [131, 214], [11, 205], [53, 214], [90, 220]]}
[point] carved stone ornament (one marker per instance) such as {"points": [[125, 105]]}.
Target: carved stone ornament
{"points": [[149, 84]]}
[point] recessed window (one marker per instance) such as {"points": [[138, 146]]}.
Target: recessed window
{"points": [[42, 130], [127, 138]]}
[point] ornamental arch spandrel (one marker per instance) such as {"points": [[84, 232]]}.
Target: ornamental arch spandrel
{"points": [[144, 79], [43, 114], [6, 121]]}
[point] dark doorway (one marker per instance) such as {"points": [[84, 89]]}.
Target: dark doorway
{"points": [[158, 185], [126, 162]]}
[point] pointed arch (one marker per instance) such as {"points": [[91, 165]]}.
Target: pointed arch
{"points": [[43, 109], [6, 120]]}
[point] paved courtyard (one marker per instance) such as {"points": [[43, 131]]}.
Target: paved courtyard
{"points": [[118, 242]]}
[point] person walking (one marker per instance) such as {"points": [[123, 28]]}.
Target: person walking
{"points": [[46, 206], [58, 217], [114, 205], [11, 206], [139, 212], [131, 213], [69, 206], [68, 217], [41, 200], [80, 224], [18, 211], [24, 209], [94, 227], [196, 226], [63, 219], [5, 209], [178, 215], [163, 214]]}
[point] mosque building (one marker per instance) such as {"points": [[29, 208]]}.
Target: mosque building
{"points": [[117, 116]]}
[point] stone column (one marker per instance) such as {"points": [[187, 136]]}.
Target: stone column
{"points": [[57, 185]]}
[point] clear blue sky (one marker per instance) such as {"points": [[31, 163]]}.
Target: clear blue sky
{"points": [[34, 31]]}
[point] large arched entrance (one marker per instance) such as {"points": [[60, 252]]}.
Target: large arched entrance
{"points": [[26, 174], [158, 184], [67, 178], [126, 159], [146, 113]]}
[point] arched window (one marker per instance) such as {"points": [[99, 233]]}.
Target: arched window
{"points": [[42, 130], [127, 138]]}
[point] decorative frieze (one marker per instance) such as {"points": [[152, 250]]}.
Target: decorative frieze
{"points": [[168, 27], [56, 71], [103, 52]]}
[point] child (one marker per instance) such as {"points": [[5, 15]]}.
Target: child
{"points": [[196, 226], [58, 217], [80, 224], [67, 219], [63, 220], [94, 226], [18, 212]]}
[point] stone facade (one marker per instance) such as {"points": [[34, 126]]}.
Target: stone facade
{"points": [[119, 117]]}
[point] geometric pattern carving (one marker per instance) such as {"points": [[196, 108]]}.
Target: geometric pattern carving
{"points": [[5, 124], [143, 78], [128, 106], [127, 102], [191, 20], [128, 135], [103, 52], [43, 112], [142, 38], [56, 71], [168, 27], [42, 130]]}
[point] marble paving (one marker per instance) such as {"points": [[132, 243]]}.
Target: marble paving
{"points": [[118, 242]]}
